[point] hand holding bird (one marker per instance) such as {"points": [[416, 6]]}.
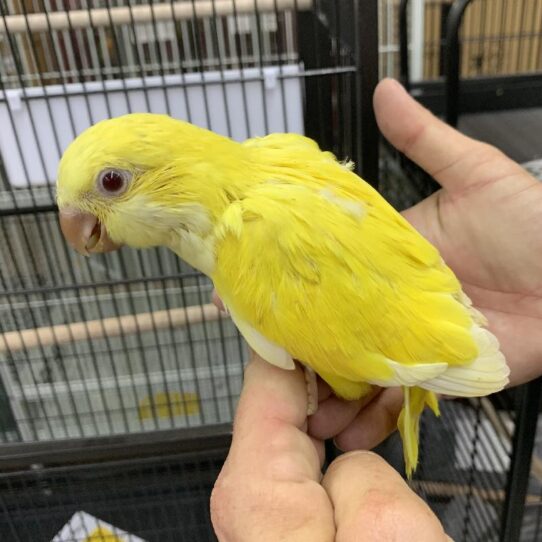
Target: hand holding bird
{"points": [[487, 223]]}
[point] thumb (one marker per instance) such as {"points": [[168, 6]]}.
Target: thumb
{"points": [[454, 160], [372, 502]]}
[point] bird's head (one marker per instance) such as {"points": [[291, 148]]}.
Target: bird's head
{"points": [[137, 179]]}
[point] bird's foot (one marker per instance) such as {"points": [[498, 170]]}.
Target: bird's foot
{"points": [[312, 391]]}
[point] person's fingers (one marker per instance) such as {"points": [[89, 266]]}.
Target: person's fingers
{"points": [[324, 391], [334, 415], [273, 465], [273, 403], [373, 503], [456, 161], [373, 423]]}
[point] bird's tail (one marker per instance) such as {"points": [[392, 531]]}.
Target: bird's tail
{"points": [[415, 400]]}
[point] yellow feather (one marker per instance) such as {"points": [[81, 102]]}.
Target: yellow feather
{"points": [[408, 424]]}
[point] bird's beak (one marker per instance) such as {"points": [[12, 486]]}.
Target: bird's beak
{"points": [[84, 232]]}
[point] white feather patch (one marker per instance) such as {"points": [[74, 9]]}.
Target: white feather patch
{"points": [[354, 208], [195, 250], [269, 351], [412, 374], [185, 229], [487, 374]]}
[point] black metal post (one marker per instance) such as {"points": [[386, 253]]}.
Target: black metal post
{"points": [[28, 210], [520, 468], [404, 67], [22, 455], [452, 54], [366, 17], [314, 42]]}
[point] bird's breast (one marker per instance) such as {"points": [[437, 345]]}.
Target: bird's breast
{"points": [[195, 250]]}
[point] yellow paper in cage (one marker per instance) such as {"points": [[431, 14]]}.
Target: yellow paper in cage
{"points": [[101, 534], [83, 527], [169, 405]]}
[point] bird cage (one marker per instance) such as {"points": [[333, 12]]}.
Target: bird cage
{"points": [[118, 377], [227, 71]]}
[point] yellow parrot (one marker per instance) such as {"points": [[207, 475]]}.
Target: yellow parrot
{"points": [[311, 262]]}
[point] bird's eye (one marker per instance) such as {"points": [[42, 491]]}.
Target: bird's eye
{"points": [[112, 181]]}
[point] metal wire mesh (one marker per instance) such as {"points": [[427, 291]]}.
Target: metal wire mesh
{"points": [[464, 472], [532, 520], [156, 499], [132, 40], [96, 379]]}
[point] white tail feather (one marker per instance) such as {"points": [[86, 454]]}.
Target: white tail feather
{"points": [[487, 374]]}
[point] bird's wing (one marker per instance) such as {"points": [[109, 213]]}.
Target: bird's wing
{"points": [[347, 286]]}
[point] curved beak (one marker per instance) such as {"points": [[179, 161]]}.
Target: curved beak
{"points": [[84, 232]]}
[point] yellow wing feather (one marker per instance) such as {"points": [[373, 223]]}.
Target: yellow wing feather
{"points": [[318, 264], [343, 291]]}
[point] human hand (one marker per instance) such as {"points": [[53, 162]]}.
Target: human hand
{"points": [[486, 221], [271, 487]]}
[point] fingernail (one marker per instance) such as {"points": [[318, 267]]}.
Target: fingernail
{"points": [[396, 84], [219, 304], [354, 453], [337, 446]]}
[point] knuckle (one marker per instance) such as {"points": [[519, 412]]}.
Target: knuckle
{"points": [[251, 510], [237, 506], [226, 506], [220, 507]]}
